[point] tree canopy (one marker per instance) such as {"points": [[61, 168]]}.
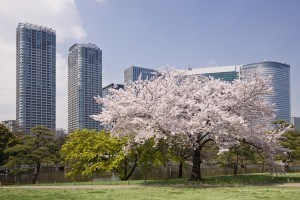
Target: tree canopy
{"points": [[89, 151], [7, 139], [195, 109], [291, 141]]}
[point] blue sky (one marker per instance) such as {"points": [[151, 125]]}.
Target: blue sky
{"points": [[152, 33]]}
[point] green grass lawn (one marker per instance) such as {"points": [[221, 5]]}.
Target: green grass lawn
{"points": [[226, 180], [252, 186], [152, 192]]}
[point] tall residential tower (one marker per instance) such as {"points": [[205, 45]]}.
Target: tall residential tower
{"points": [[84, 83], [36, 76]]}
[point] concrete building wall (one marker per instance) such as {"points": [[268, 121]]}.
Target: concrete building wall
{"points": [[296, 123]]}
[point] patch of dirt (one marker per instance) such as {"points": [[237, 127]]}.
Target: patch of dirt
{"points": [[290, 185]]}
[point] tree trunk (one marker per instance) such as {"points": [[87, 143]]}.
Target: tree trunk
{"points": [[235, 167], [196, 172], [36, 173], [132, 169], [125, 169], [245, 169], [180, 170]]}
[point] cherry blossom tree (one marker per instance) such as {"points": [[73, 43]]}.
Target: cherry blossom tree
{"points": [[197, 110]]}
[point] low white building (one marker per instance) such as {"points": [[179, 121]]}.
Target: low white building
{"points": [[296, 123], [11, 125]]}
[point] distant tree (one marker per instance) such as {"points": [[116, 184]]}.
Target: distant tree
{"points": [[179, 153], [60, 137], [153, 153], [35, 149], [7, 139], [241, 155], [291, 141]]}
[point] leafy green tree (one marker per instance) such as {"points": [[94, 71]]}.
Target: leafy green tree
{"points": [[60, 137], [34, 149], [7, 139], [241, 155], [152, 154], [179, 153], [291, 141], [88, 151]]}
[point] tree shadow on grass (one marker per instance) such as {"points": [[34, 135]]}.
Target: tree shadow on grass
{"points": [[227, 181]]}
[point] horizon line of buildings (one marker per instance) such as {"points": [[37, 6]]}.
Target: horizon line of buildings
{"points": [[36, 81]]}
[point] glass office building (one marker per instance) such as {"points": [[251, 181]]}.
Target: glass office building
{"points": [[133, 73], [280, 82], [84, 83], [35, 77]]}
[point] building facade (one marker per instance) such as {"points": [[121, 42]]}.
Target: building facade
{"points": [[105, 90], [133, 73], [280, 82], [296, 123], [84, 83], [225, 73], [35, 77]]}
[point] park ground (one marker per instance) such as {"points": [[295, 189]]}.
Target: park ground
{"points": [[255, 186]]}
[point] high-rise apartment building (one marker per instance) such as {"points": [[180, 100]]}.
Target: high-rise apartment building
{"points": [[133, 73], [280, 82], [36, 76], [84, 83]]}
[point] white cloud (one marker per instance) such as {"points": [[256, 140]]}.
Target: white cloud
{"points": [[60, 15]]}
